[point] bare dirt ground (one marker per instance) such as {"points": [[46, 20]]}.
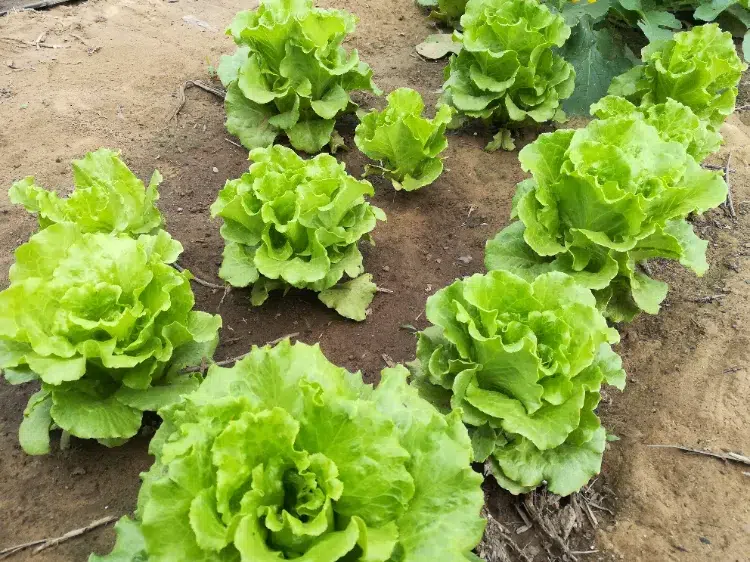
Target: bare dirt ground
{"points": [[108, 74]]}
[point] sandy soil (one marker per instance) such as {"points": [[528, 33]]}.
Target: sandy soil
{"points": [[113, 82]]}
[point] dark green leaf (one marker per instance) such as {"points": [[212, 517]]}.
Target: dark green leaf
{"points": [[597, 58]]}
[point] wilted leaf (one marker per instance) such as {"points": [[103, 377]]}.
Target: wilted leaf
{"points": [[437, 46]]}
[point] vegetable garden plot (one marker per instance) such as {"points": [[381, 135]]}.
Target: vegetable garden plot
{"points": [[373, 254]]}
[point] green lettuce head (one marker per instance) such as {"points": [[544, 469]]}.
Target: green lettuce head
{"points": [[602, 200], [291, 74], [287, 457], [106, 326], [698, 68], [290, 222], [108, 197], [524, 363], [507, 70], [407, 144]]}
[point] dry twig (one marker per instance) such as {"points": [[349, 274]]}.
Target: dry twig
{"points": [[709, 298], [227, 290], [537, 517], [384, 290], [734, 457], [200, 281], [495, 538], [272, 342], [590, 514], [527, 523], [198, 84], [33, 44], [729, 204], [44, 544], [42, 37], [601, 508]]}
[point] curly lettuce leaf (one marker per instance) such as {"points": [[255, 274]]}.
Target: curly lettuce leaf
{"points": [[107, 198], [607, 197], [407, 144], [673, 121]]}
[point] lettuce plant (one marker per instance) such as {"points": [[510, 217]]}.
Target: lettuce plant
{"points": [[672, 120], [602, 200], [287, 457], [407, 144], [107, 198], [523, 363], [291, 74], [290, 222], [698, 68], [507, 71], [106, 326]]}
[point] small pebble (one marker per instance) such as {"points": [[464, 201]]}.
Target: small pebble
{"points": [[215, 170], [179, 209], [386, 268], [465, 259]]}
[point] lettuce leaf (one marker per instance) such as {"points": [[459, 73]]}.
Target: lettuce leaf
{"points": [[290, 74], [508, 70], [698, 68], [407, 144], [290, 222], [448, 12], [107, 198], [106, 325], [524, 363], [286, 456], [673, 121]]}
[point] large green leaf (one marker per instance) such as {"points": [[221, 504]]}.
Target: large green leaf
{"points": [[597, 57]]}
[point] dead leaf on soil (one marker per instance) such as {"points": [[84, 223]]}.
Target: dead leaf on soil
{"points": [[437, 46], [192, 20]]}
